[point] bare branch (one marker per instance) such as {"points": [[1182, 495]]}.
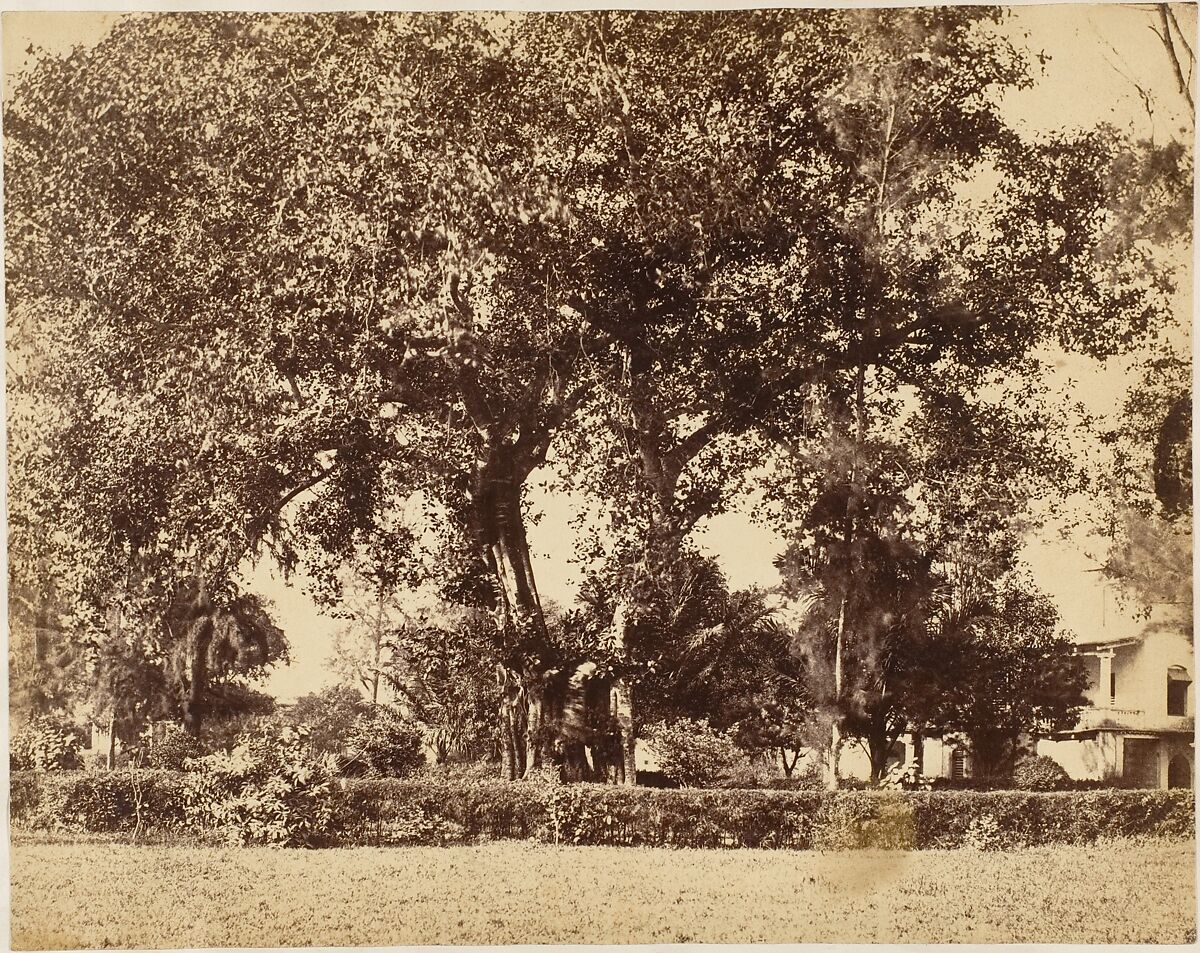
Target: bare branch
{"points": [[1165, 36]]}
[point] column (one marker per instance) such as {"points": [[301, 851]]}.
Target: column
{"points": [[1104, 698]]}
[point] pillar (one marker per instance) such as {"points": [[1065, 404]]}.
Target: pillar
{"points": [[1104, 698]]}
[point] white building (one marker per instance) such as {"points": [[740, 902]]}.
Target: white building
{"points": [[1140, 721]]}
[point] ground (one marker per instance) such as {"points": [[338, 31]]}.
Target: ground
{"points": [[96, 894]]}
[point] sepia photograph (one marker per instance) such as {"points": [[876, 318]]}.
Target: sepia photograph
{"points": [[600, 476]]}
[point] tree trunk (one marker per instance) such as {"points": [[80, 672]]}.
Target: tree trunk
{"points": [[189, 629], [879, 749], [835, 740], [499, 528], [378, 648], [193, 700], [833, 773], [622, 703], [880, 740], [112, 741], [788, 766], [918, 757], [534, 734]]}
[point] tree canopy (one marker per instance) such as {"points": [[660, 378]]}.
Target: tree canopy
{"points": [[271, 275]]}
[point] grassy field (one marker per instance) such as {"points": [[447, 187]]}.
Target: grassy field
{"points": [[96, 895]]}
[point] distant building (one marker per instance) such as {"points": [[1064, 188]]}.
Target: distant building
{"points": [[1140, 721], [937, 756], [1138, 728]]}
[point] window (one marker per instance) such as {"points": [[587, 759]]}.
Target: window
{"points": [[1176, 697], [1112, 685], [958, 764], [1178, 681]]}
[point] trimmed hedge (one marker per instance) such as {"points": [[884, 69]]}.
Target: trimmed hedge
{"points": [[386, 811], [97, 801]]}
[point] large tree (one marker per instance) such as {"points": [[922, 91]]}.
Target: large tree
{"points": [[279, 280], [289, 268], [824, 208]]}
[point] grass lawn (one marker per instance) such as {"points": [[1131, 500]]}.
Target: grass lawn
{"points": [[97, 894]]}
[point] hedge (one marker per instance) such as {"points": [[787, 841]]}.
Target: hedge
{"points": [[96, 801], [372, 812]]}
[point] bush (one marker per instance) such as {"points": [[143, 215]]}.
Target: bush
{"points": [[463, 771], [173, 748], [478, 809], [95, 802], [905, 777], [45, 744], [602, 814], [1039, 773], [750, 772], [431, 811], [809, 777], [383, 744], [329, 715], [269, 790], [984, 833], [692, 752]]}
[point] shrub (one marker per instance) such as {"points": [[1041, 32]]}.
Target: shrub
{"points": [[1039, 773], [45, 744], [269, 790], [110, 801], [655, 779], [96, 762], [905, 777], [329, 715], [173, 748], [479, 809], [463, 771], [984, 833], [432, 811], [748, 773], [600, 814], [383, 744], [810, 777], [692, 752]]}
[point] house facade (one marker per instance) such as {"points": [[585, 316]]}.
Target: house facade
{"points": [[1140, 721]]}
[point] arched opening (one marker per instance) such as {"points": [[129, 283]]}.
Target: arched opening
{"points": [[1179, 772]]}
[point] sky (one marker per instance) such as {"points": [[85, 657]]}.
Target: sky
{"points": [[1097, 57]]}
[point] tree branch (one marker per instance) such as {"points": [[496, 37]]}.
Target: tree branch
{"points": [[1163, 12]]}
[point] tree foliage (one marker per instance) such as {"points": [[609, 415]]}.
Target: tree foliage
{"points": [[444, 675], [272, 275], [1010, 675]]}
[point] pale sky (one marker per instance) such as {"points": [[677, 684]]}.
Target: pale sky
{"points": [[1096, 55]]}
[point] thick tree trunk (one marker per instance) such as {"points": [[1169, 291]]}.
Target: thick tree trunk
{"points": [[189, 625], [500, 532], [511, 724], [499, 527], [534, 734]]}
